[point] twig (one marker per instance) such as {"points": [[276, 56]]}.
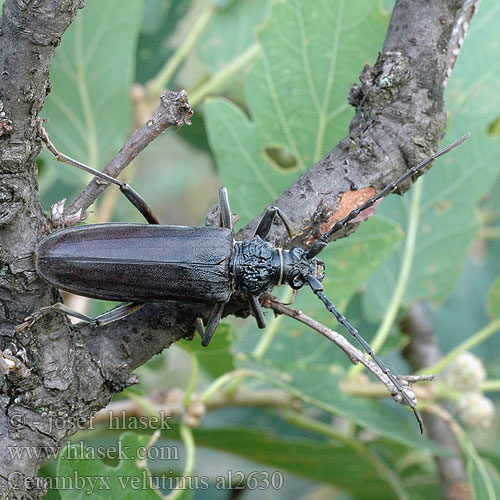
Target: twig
{"points": [[355, 355], [174, 110], [171, 403]]}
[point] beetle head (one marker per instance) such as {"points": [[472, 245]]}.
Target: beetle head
{"points": [[299, 268]]}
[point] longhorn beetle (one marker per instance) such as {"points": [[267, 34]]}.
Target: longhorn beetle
{"points": [[138, 263]]}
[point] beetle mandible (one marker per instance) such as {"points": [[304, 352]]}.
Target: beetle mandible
{"points": [[139, 263]]}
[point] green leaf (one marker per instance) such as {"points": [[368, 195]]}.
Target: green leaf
{"points": [[328, 463], [493, 300], [89, 106], [123, 481], [297, 96], [456, 184], [160, 21], [231, 32]]}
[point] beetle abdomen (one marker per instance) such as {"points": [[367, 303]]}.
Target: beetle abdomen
{"points": [[139, 262]]}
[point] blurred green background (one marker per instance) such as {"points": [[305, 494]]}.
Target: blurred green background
{"points": [[268, 82]]}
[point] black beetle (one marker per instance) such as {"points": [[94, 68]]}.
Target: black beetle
{"points": [[141, 263]]}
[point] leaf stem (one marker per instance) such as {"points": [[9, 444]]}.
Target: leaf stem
{"points": [[310, 424], [160, 81], [186, 435], [466, 345], [144, 404], [187, 438], [474, 460], [216, 81], [222, 381], [404, 273], [195, 371], [490, 386], [489, 232]]}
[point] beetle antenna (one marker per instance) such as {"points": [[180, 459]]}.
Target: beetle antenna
{"points": [[322, 241], [317, 289]]}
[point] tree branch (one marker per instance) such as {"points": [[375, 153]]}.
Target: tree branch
{"points": [[400, 118], [423, 350]]}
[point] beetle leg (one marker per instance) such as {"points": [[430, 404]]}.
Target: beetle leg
{"points": [[114, 314], [44, 311], [225, 209], [266, 222], [198, 323], [131, 195], [213, 321], [118, 312], [257, 310]]}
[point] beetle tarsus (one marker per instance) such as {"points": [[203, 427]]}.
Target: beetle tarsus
{"points": [[115, 314], [44, 311]]}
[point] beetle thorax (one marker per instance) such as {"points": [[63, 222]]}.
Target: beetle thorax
{"points": [[258, 267]]}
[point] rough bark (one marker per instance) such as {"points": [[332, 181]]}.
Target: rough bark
{"points": [[400, 117], [29, 35]]}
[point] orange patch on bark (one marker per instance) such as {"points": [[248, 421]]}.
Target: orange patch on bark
{"points": [[349, 201]]}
